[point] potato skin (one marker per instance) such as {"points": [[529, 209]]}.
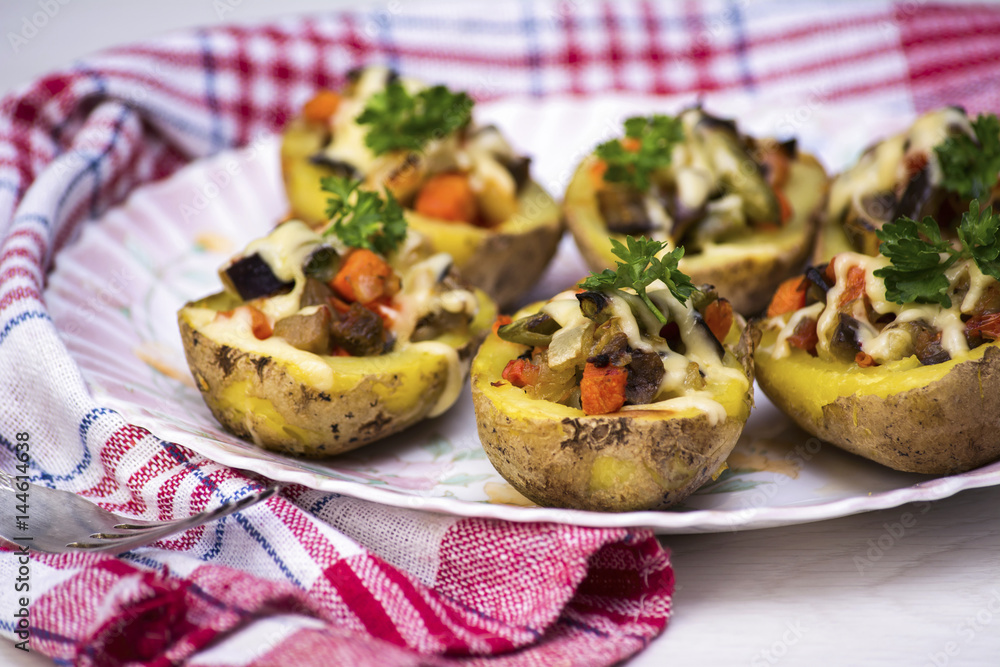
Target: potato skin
{"points": [[630, 460], [504, 261], [261, 398], [937, 420], [746, 271]]}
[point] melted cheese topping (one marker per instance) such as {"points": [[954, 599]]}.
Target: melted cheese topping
{"points": [[892, 343], [286, 249], [634, 317], [883, 166]]}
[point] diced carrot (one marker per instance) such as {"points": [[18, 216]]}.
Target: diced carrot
{"points": [[786, 206], [502, 320], [597, 170], [631, 144], [323, 105], [719, 318], [804, 337], [520, 372], [338, 351], [365, 277], [259, 324], [777, 164], [855, 287], [864, 360], [448, 197], [602, 389], [790, 296], [914, 163], [986, 326]]}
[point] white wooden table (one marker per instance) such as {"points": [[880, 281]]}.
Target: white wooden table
{"points": [[865, 589]]}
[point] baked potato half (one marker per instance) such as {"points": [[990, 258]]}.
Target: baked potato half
{"points": [[745, 210], [913, 386], [464, 188], [286, 359], [929, 169], [643, 431]]}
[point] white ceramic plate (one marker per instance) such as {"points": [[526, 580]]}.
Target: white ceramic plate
{"points": [[116, 291]]}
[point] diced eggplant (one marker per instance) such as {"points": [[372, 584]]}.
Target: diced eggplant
{"points": [[927, 346], [534, 330], [322, 264], [845, 343], [624, 210], [595, 305], [610, 345], [307, 332], [791, 147], [709, 336], [519, 167], [861, 223], [736, 168], [359, 331], [315, 293], [645, 373], [921, 197], [252, 278], [337, 167]]}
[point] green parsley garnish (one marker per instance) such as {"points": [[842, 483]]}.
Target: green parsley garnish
{"points": [[971, 167], [401, 121], [363, 219], [655, 137], [639, 267], [920, 257]]}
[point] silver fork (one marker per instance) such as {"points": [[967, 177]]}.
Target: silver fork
{"points": [[62, 522]]}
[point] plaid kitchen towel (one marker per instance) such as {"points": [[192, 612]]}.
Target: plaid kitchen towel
{"points": [[316, 579]]}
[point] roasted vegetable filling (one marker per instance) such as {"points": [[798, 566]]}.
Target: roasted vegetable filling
{"points": [[323, 297], [692, 180], [935, 168], [634, 336], [601, 350], [922, 296], [418, 142]]}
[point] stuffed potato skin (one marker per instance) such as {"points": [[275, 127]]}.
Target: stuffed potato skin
{"points": [[745, 270], [938, 419], [295, 402], [638, 458], [485, 256]]}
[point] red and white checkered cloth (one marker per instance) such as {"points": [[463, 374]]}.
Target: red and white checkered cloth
{"points": [[318, 579]]}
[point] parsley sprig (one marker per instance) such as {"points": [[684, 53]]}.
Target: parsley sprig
{"points": [[920, 257], [647, 146], [399, 120], [639, 267], [363, 219], [970, 166]]}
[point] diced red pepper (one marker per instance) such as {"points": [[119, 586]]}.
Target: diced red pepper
{"points": [[502, 320], [986, 326], [864, 360], [804, 337], [520, 372], [790, 296], [855, 287], [719, 318]]}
